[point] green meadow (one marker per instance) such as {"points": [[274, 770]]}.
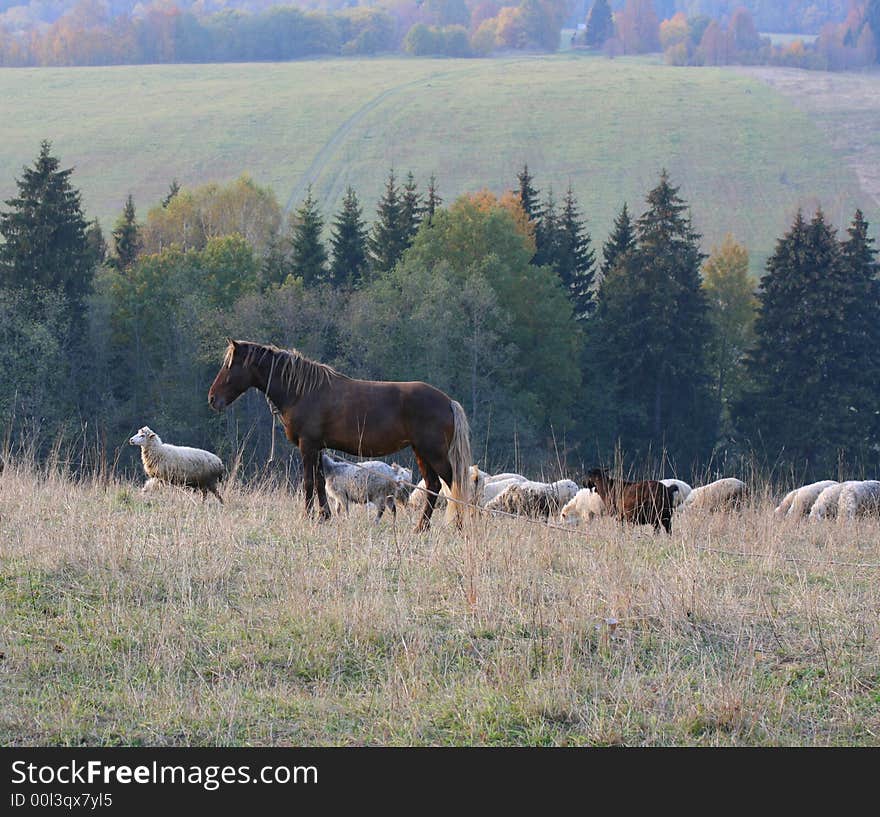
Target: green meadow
{"points": [[745, 154]]}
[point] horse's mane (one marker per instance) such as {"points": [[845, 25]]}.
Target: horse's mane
{"points": [[299, 374]]}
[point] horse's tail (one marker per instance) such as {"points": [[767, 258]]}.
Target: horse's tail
{"points": [[461, 460]]}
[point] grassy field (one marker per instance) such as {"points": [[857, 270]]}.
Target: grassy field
{"points": [[173, 622], [745, 154]]}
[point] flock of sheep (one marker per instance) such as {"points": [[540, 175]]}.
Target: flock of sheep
{"points": [[386, 486], [828, 499]]}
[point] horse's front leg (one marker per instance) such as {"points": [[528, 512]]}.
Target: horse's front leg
{"points": [[313, 479]]}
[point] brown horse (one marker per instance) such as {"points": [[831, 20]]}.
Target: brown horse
{"points": [[321, 408]]}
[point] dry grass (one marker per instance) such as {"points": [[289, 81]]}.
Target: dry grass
{"points": [[173, 622]]}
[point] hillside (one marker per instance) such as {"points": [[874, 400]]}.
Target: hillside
{"points": [[745, 155]]}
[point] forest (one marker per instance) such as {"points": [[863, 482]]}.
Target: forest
{"points": [[842, 35], [565, 349]]}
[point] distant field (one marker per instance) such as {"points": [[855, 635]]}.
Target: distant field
{"points": [[745, 155], [177, 623]]}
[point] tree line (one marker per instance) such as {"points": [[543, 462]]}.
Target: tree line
{"points": [[90, 32], [561, 350], [730, 35]]}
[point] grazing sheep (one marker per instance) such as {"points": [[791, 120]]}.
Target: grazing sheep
{"points": [[859, 499], [648, 502], [681, 494], [402, 478], [719, 495], [416, 501], [485, 487], [805, 497], [585, 505], [178, 465], [783, 507], [534, 498], [504, 477], [348, 482], [825, 506], [484, 494]]}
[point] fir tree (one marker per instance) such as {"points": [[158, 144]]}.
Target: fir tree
{"points": [[308, 257], [528, 195], [45, 233], [813, 366], [600, 24], [173, 190], [96, 242], [388, 239], [412, 208], [547, 234], [575, 259], [348, 242], [651, 330], [433, 200], [621, 242], [126, 238], [275, 266]]}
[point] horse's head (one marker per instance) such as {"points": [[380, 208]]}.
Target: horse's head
{"points": [[597, 479], [233, 379]]}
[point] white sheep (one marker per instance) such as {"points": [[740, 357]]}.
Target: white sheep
{"points": [[805, 497], [416, 501], [825, 506], [859, 499], [783, 507], [484, 494], [681, 494], [718, 495], [485, 487], [585, 505], [534, 498], [178, 465], [507, 475], [348, 482]]}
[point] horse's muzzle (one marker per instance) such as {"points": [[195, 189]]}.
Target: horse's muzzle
{"points": [[216, 402]]}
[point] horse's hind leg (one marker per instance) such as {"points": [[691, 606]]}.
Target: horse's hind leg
{"points": [[432, 486]]}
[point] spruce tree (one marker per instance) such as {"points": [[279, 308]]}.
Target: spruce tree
{"points": [[528, 195], [126, 238], [173, 190], [412, 208], [621, 242], [348, 241], [45, 244], [388, 238], [96, 242], [308, 258], [859, 362], [575, 259], [813, 366], [275, 266], [433, 200], [547, 234], [600, 24], [651, 332]]}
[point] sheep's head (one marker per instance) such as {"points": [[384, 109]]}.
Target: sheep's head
{"points": [[145, 436]]}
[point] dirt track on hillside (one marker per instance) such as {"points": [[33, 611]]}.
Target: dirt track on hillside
{"points": [[846, 106]]}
